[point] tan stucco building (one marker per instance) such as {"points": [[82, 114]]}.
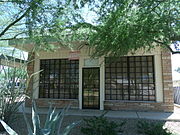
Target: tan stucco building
{"points": [[142, 81]]}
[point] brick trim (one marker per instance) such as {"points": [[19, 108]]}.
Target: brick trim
{"points": [[55, 102], [30, 70], [168, 102], [167, 105]]}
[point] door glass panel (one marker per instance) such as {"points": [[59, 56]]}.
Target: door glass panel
{"points": [[91, 88]]}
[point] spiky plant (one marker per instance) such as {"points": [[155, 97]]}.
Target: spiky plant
{"points": [[52, 124]]}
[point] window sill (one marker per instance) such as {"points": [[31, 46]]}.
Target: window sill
{"points": [[128, 101], [57, 99]]}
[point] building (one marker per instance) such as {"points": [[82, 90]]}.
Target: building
{"points": [[142, 81], [11, 61]]}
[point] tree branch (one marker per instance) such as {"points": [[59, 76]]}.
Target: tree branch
{"points": [[17, 20], [175, 38], [2, 1], [13, 37], [168, 47]]}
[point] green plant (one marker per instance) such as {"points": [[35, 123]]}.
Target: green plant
{"points": [[101, 126], [13, 77], [148, 128], [52, 124]]}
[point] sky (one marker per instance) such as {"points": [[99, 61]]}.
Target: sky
{"points": [[175, 64], [175, 61]]}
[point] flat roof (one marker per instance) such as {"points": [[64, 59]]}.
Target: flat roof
{"points": [[11, 58]]}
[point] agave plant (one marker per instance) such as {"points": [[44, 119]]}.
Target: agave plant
{"points": [[52, 124], [13, 86]]}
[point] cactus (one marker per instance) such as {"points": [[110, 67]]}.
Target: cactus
{"points": [[52, 124]]}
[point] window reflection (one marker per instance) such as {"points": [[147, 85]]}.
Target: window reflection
{"points": [[59, 79], [130, 78]]}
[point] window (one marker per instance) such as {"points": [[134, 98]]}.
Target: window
{"points": [[59, 79], [130, 78]]}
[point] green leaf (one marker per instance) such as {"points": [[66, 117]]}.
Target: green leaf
{"points": [[70, 127], [8, 129], [46, 131], [52, 114], [36, 120], [48, 116], [61, 117], [27, 123]]}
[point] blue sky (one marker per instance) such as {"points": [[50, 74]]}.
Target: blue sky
{"points": [[175, 64]]}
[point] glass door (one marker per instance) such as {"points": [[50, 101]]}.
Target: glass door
{"points": [[91, 88]]}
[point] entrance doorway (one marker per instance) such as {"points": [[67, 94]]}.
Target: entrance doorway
{"points": [[91, 88]]}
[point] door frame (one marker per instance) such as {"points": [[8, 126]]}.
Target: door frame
{"points": [[83, 87]]}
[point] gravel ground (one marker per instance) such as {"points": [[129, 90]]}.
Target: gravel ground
{"points": [[173, 126], [129, 128]]}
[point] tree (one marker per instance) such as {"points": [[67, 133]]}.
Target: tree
{"points": [[35, 20], [126, 25], [119, 26]]}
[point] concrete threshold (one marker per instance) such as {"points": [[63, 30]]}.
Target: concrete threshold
{"points": [[175, 116]]}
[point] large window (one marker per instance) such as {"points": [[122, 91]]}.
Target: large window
{"points": [[130, 78], [59, 79]]}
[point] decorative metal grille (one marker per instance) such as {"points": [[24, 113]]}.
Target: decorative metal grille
{"points": [[130, 78], [59, 79], [91, 88]]}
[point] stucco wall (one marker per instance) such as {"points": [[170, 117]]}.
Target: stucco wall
{"points": [[163, 75]]}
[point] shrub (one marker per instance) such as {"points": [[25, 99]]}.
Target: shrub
{"points": [[148, 128], [101, 126]]}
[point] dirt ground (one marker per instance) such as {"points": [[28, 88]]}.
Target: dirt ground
{"points": [[130, 127]]}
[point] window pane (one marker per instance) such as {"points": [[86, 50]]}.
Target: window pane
{"points": [[130, 78], [59, 79]]}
